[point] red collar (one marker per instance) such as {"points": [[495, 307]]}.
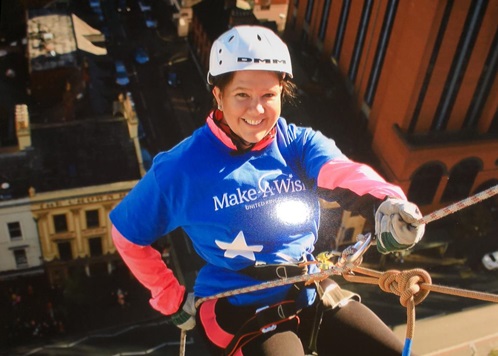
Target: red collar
{"points": [[230, 139]]}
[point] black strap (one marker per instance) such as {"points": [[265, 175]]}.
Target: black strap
{"points": [[278, 271], [271, 272], [265, 320]]}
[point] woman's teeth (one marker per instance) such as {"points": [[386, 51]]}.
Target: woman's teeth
{"points": [[253, 122]]}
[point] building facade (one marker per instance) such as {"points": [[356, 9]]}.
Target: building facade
{"points": [[58, 165], [19, 245], [75, 231], [424, 75]]}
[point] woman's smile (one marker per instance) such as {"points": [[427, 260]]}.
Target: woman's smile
{"points": [[253, 122], [251, 103]]}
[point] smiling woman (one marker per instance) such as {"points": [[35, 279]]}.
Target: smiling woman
{"points": [[245, 188], [251, 104]]}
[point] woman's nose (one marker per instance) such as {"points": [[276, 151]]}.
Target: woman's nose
{"points": [[257, 106]]}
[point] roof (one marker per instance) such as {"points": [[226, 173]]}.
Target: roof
{"points": [[92, 148], [51, 41], [216, 17], [71, 155], [83, 153]]}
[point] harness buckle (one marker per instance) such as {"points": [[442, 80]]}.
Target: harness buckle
{"points": [[279, 270]]}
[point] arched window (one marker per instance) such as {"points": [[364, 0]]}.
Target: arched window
{"points": [[492, 202], [425, 182], [461, 180]]}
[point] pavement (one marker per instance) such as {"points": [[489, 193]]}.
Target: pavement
{"points": [[467, 333]]}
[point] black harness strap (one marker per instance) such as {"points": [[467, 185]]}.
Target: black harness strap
{"points": [[265, 320], [269, 318], [271, 272]]}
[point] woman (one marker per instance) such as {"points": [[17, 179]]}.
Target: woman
{"points": [[245, 189]]}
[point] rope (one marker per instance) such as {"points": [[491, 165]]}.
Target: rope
{"points": [[450, 209], [183, 342], [272, 284], [412, 286]]}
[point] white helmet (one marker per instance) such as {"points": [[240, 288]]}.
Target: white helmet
{"points": [[248, 48]]}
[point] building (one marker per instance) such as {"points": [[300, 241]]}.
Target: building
{"points": [[68, 159], [74, 229], [263, 10], [19, 244], [424, 75]]}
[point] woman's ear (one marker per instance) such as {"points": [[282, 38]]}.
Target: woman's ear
{"points": [[217, 95]]}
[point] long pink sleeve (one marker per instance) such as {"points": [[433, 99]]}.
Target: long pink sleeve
{"points": [[147, 266], [357, 178]]}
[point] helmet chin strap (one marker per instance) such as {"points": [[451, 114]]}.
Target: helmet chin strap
{"points": [[242, 145]]}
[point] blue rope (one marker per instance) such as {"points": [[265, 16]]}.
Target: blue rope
{"points": [[408, 347]]}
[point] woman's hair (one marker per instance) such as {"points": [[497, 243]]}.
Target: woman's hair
{"points": [[289, 89]]}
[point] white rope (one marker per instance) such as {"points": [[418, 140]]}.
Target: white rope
{"points": [[183, 342], [450, 209], [438, 214]]}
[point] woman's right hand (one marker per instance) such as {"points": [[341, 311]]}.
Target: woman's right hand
{"points": [[184, 318]]}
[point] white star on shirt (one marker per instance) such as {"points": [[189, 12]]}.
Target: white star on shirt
{"points": [[239, 247]]}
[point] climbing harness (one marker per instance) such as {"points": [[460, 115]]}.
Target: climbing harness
{"points": [[412, 286], [265, 320], [270, 272]]}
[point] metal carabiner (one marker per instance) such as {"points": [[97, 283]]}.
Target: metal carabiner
{"points": [[352, 255]]}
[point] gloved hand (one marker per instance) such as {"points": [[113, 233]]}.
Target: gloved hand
{"points": [[185, 317], [396, 225]]}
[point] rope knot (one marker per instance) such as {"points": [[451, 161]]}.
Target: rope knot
{"points": [[406, 284]]}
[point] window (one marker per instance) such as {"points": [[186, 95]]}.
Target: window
{"points": [[348, 236], [324, 20], [309, 11], [461, 180], [92, 218], [21, 259], [65, 251], [60, 223], [95, 244], [425, 183], [15, 232]]}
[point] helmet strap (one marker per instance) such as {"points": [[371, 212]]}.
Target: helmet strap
{"points": [[242, 145]]}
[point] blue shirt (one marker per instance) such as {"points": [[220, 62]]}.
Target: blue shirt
{"points": [[258, 207]]}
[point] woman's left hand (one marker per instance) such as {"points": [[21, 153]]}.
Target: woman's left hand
{"points": [[397, 225]]}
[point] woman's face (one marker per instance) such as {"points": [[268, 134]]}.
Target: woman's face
{"points": [[251, 103]]}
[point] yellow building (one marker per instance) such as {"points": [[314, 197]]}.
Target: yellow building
{"points": [[74, 228]]}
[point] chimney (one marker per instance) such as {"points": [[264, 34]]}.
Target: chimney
{"points": [[23, 129]]}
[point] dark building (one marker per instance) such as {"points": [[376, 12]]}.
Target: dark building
{"points": [[68, 152], [424, 77]]}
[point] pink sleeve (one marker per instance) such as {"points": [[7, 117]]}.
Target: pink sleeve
{"points": [[358, 178], [148, 267]]}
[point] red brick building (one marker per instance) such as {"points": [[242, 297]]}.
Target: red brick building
{"points": [[424, 75]]}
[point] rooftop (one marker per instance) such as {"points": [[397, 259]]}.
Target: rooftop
{"points": [[51, 42], [92, 147]]}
